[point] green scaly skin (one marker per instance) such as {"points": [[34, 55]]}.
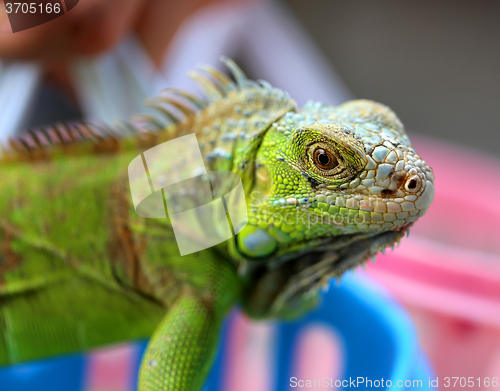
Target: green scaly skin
{"points": [[327, 188]]}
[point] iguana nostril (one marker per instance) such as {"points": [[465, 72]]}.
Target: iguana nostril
{"points": [[413, 184], [397, 181]]}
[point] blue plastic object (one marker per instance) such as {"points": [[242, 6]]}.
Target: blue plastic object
{"points": [[64, 373], [377, 334]]}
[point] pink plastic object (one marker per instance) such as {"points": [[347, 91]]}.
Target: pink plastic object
{"points": [[111, 368], [319, 354], [447, 273]]}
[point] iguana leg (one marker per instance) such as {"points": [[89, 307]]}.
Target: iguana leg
{"points": [[181, 350]]}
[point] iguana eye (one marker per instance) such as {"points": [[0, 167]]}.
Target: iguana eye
{"points": [[325, 155], [324, 159]]}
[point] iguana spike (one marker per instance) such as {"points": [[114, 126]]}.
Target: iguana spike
{"points": [[199, 103], [224, 82], [34, 149], [210, 90], [101, 131], [252, 83], [73, 133], [183, 108], [84, 130], [53, 135], [133, 129], [236, 71], [40, 137], [96, 130], [265, 84], [16, 145], [84, 133], [124, 128], [147, 119], [29, 141], [61, 130], [26, 147], [154, 103]]}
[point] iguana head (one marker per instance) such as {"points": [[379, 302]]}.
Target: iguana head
{"points": [[326, 187], [333, 187]]}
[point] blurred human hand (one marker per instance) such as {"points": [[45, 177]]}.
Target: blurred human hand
{"points": [[91, 27], [96, 25]]}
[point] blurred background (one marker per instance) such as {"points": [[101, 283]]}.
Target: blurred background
{"points": [[437, 64]]}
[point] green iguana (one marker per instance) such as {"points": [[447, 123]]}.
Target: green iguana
{"points": [[327, 188]]}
